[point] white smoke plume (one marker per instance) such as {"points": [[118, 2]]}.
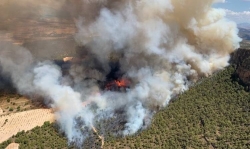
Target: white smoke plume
{"points": [[162, 46], [47, 80]]}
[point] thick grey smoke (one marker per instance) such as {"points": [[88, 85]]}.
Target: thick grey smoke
{"points": [[162, 46], [166, 46], [17, 63]]}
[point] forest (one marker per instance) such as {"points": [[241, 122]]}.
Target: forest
{"points": [[213, 113]]}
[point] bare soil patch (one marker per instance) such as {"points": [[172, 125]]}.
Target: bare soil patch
{"points": [[12, 146], [13, 123]]}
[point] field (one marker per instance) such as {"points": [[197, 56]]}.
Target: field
{"points": [[13, 123], [12, 103], [215, 113]]}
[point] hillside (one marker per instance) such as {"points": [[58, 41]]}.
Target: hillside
{"points": [[244, 33], [214, 113], [244, 25]]}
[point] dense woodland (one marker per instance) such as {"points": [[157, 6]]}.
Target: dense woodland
{"points": [[214, 113]]}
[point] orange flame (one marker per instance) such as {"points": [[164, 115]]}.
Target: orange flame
{"points": [[121, 83], [118, 83]]}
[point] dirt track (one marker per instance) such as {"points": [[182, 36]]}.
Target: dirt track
{"points": [[13, 123]]}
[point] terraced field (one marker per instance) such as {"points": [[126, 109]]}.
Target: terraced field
{"points": [[13, 123]]}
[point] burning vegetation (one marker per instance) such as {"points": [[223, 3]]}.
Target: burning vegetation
{"points": [[143, 54], [119, 84]]}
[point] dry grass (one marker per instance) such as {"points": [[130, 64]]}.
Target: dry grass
{"points": [[14, 103]]}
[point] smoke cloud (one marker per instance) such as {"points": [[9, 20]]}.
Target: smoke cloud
{"points": [[162, 46]]}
